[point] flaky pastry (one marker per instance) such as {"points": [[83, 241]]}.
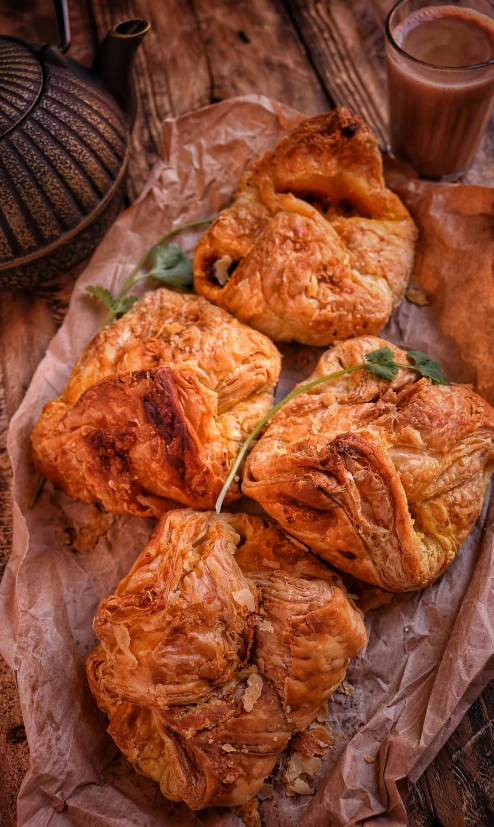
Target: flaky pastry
{"points": [[156, 407], [314, 248], [384, 480], [223, 641]]}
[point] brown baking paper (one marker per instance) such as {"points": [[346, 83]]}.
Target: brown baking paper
{"points": [[428, 654]]}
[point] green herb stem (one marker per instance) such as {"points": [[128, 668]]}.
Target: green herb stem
{"points": [[260, 425], [133, 278], [109, 316]]}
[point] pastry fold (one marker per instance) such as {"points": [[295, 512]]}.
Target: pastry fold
{"points": [[314, 248], [157, 406], [383, 480], [222, 642]]}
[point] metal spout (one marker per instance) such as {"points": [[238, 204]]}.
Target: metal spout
{"points": [[114, 59]]}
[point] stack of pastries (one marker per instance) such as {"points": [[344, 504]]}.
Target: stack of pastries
{"points": [[229, 633]]}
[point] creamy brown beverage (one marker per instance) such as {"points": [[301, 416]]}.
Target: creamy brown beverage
{"points": [[441, 84]]}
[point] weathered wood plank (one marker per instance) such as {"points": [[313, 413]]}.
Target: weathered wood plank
{"points": [[28, 321], [457, 790], [251, 46], [458, 787], [14, 751]]}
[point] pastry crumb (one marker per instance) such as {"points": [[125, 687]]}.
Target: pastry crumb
{"points": [[252, 692], [298, 769], [249, 813], [244, 597], [417, 296], [313, 741], [370, 759], [266, 791], [346, 689], [221, 267], [293, 768], [299, 787], [271, 564], [322, 712], [312, 287], [310, 765], [228, 748], [97, 524]]}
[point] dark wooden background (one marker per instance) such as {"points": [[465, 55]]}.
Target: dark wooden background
{"points": [[309, 54]]}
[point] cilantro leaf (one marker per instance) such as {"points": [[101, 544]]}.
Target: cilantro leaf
{"points": [[383, 371], [124, 305], [166, 262], [170, 265], [381, 356], [381, 363], [116, 307], [102, 294], [426, 366]]}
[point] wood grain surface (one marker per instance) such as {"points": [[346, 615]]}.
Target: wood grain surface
{"points": [[309, 54]]}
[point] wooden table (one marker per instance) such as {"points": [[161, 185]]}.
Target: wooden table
{"points": [[309, 54]]}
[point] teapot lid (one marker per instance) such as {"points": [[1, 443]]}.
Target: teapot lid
{"points": [[21, 82]]}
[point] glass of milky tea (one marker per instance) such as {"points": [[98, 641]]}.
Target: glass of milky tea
{"points": [[440, 60]]}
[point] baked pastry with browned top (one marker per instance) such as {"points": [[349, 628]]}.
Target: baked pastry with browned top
{"points": [[222, 642], [384, 480], [156, 407], [314, 248]]}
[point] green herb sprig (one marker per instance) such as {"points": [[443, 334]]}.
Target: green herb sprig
{"points": [[380, 363], [165, 262]]}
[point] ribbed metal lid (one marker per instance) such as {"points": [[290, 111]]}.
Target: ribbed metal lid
{"points": [[21, 81]]}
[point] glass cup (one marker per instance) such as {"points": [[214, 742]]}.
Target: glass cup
{"points": [[438, 113]]}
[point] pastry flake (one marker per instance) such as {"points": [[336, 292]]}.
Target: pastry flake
{"points": [[314, 248], [156, 407], [201, 696], [382, 479]]}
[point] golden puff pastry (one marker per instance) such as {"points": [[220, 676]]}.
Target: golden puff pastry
{"points": [[223, 641], [157, 406], [384, 480], [314, 248]]}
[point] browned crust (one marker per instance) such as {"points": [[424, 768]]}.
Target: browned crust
{"points": [[157, 407], [217, 611], [322, 250], [384, 480]]}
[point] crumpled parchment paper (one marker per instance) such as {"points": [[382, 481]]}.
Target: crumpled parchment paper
{"points": [[429, 654]]}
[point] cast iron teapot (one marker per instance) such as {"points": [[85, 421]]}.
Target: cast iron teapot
{"points": [[63, 149]]}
